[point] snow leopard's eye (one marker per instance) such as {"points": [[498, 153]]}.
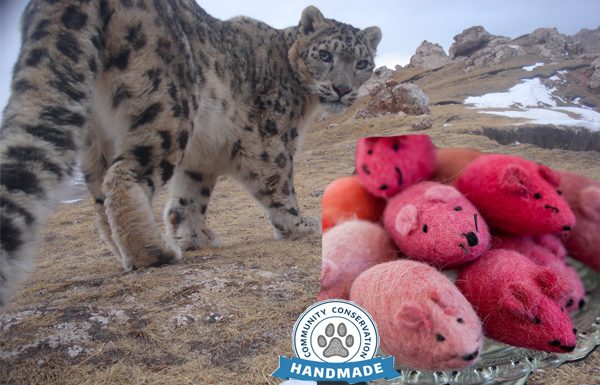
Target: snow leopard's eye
{"points": [[362, 64], [325, 56]]}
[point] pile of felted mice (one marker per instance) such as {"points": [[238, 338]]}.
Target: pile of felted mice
{"points": [[504, 222]]}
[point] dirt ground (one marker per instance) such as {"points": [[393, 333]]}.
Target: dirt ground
{"points": [[219, 316]]}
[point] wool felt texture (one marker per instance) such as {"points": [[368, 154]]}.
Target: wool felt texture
{"points": [[386, 165], [422, 318], [348, 249], [518, 301], [345, 198], [548, 250], [516, 196], [583, 195], [435, 223], [450, 163]]}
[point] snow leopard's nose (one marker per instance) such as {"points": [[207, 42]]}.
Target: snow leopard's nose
{"points": [[341, 90]]}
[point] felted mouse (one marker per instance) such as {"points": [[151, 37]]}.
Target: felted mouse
{"points": [[583, 195], [548, 250], [516, 195], [519, 302], [435, 223], [385, 165], [350, 248], [345, 198], [423, 320], [450, 163]]}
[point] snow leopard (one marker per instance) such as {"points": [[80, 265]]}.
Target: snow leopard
{"points": [[150, 92]]}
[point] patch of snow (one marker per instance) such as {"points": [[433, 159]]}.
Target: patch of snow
{"points": [[8, 321], [551, 116], [554, 78], [535, 102], [516, 143], [75, 350], [514, 46], [533, 66], [529, 93], [563, 72], [100, 319], [577, 101], [447, 125]]}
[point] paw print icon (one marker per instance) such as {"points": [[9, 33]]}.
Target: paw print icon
{"points": [[336, 341]]}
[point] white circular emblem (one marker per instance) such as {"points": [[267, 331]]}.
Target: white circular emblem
{"points": [[335, 331]]}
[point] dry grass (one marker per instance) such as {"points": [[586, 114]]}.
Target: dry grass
{"points": [[220, 316]]}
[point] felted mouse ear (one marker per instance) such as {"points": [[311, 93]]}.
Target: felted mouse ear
{"points": [[551, 284], [514, 179], [330, 274], [519, 300], [407, 219], [413, 316], [549, 175], [441, 193], [589, 202]]}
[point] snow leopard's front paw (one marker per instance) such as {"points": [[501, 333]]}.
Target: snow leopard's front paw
{"points": [[299, 228]]}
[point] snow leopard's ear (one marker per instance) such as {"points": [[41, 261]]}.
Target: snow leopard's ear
{"points": [[373, 36], [310, 20]]}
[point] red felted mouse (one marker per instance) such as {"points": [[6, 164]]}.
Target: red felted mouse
{"points": [[386, 165], [583, 194], [548, 250], [518, 301], [435, 223], [516, 196]]}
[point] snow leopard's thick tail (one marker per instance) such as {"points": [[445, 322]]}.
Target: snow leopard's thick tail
{"points": [[44, 123]]}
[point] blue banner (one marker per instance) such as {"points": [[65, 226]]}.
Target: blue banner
{"points": [[350, 372]]}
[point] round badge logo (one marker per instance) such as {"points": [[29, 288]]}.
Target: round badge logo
{"points": [[335, 331]]}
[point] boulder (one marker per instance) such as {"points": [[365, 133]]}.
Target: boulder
{"points": [[589, 40], [429, 56], [379, 77], [469, 41], [548, 42], [594, 80], [394, 98], [497, 51]]}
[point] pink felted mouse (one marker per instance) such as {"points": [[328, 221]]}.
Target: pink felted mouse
{"points": [[548, 250], [350, 248], [386, 165], [423, 320], [518, 301], [435, 223], [583, 195], [515, 195]]}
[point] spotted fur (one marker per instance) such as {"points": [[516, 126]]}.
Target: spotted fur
{"points": [[152, 91]]}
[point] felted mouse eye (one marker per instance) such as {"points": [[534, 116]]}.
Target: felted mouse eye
{"points": [[537, 196], [458, 208], [559, 192], [460, 320], [440, 338], [425, 228], [537, 320]]}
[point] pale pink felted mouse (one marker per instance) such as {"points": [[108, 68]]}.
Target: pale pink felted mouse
{"points": [[422, 318], [387, 164], [516, 195], [350, 248], [583, 195], [519, 302], [548, 250], [435, 223]]}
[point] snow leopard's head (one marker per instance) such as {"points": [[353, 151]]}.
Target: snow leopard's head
{"points": [[333, 59]]}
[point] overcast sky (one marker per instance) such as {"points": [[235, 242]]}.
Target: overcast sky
{"points": [[405, 23]]}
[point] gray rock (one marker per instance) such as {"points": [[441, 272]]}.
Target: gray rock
{"points": [[379, 77], [594, 80], [589, 40], [429, 56], [469, 41]]}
